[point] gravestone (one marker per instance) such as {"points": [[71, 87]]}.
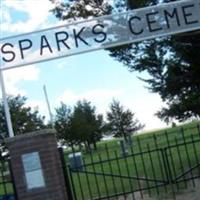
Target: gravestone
{"points": [[123, 147], [130, 140], [76, 161]]}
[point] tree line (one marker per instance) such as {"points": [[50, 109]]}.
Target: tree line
{"points": [[77, 125]]}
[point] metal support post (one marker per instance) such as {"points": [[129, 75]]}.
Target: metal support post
{"points": [[6, 107]]}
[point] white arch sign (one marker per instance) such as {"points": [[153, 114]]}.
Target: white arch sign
{"points": [[100, 33]]}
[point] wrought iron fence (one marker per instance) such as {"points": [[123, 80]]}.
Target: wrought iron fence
{"points": [[7, 188], [161, 165]]}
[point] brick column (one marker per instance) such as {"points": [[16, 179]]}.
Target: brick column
{"points": [[42, 147]]}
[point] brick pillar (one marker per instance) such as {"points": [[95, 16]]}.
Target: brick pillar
{"points": [[36, 166]]}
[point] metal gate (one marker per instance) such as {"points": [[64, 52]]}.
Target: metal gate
{"points": [[146, 172], [7, 187]]}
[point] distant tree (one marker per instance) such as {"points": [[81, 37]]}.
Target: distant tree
{"points": [[121, 122], [80, 125], [98, 133], [24, 119], [86, 124], [62, 124], [172, 63]]}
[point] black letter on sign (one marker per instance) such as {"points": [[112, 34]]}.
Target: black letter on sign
{"points": [[77, 36], [186, 15], [21, 48], [152, 21], [131, 27], [97, 32], [44, 44], [169, 15], [4, 51], [59, 40]]}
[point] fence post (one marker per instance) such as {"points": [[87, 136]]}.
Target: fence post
{"points": [[66, 176], [168, 171], [198, 128], [166, 165], [13, 180]]}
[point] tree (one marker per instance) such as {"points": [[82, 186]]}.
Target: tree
{"points": [[86, 124], [62, 124], [173, 66], [73, 9], [171, 62], [82, 125], [23, 118], [121, 122]]}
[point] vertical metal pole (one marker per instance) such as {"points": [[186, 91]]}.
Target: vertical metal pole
{"points": [[13, 179], [48, 105], [65, 173], [6, 107]]}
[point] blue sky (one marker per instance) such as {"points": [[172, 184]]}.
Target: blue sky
{"points": [[93, 76]]}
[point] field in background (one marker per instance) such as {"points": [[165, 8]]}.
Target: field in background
{"points": [[159, 138], [105, 172]]}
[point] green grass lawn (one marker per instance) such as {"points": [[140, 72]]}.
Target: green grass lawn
{"points": [[6, 186], [6, 189], [149, 165]]}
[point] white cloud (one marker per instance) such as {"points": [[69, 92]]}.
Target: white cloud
{"points": [[144, 106], [61, 65], [98, 97], [15, 76], [38, 105], [5, 16], [37, 12]]}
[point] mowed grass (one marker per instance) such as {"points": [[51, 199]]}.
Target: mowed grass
{"points": [[6, 189], [108, 173], [6, 186]]}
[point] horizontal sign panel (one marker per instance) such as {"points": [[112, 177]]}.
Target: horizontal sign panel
{"points": [[100, 33]]}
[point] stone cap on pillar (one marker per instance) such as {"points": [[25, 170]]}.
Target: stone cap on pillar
{"points": [[33, 134]]}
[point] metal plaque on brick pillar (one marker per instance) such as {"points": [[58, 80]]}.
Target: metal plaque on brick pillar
{"points": [[33, 170], [37, 168]]}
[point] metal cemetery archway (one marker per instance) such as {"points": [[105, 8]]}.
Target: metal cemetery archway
{"points": [[98, 33]]}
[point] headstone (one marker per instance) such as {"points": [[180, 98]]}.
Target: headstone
{"points": [[123, 147], [76, 161], [130, 141]]}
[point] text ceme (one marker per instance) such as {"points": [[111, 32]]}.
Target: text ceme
{"points": [[83, 36]]}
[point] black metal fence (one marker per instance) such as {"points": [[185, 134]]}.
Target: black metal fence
{"points": [[7, 190], [164, 163]]}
